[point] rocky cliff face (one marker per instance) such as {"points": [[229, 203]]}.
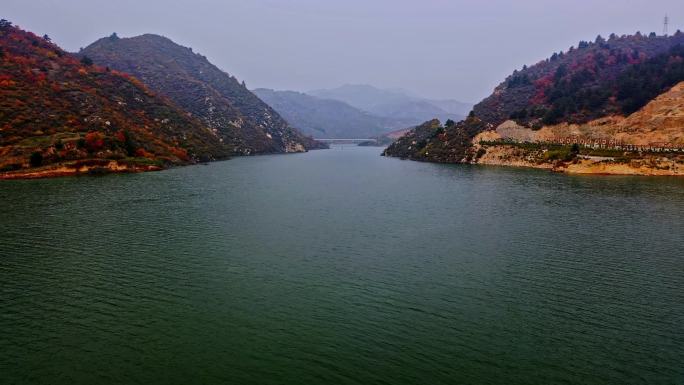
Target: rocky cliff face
{"points": [[660, 122], [603, 146], [238, 117], [600, 90], [56, 110]]}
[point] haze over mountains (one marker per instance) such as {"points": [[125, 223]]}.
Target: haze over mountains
{"points": [[395, 104], [358, 111], [242, 120], [324, 118]]}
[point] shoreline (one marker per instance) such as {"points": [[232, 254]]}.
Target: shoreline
{"points": [[563, 160], [644, 166], [89, 167], [582, 167], [95, 167], [599, 170]]}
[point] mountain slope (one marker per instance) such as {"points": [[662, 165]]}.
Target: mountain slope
{"points": [[405, 110], [236, 115], [596, 86], [55, 109], [660, 122], [607, 77], [324, 118]]}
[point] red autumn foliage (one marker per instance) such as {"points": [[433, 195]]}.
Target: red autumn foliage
{"points": [[541, 85], [94, 141], [581, 84], [46, 91], [120, 136]]}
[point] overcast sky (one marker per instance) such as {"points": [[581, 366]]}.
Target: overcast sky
{"points": [[436, 48]]}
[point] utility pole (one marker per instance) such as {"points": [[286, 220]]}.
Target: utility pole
{"points": [[666, 24]]}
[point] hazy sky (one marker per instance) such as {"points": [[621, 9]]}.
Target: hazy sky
{"points": [[436, 48]]}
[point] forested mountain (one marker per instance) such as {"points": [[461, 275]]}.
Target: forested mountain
{"points": [[587, 91], [403, 109], [614, 76], [325, 118], [57, 109], [226, 106]]}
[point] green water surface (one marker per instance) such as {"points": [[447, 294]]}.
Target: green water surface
{"points": [[342, 267]]}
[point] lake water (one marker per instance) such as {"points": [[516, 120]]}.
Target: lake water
{"points": [[342, 267]]}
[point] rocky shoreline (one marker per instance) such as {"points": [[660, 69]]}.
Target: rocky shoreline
{"points": [[501, 156], [86, 167], [577, 160], [489, 148]]}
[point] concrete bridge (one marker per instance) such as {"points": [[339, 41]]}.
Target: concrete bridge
{"points": [[345, 140]]}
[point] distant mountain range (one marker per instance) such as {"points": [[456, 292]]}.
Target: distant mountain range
{"points": [[324, 118], [395, 104], [357, 111]]}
